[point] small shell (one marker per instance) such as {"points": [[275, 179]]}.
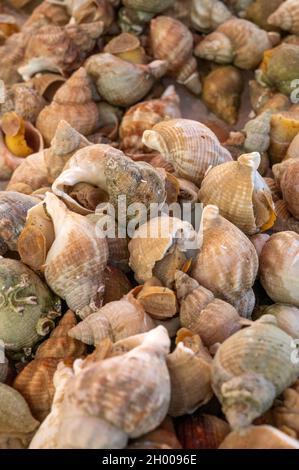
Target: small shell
{"points": [[234, 270], [189, 368], [265, 99], [279, 266], [172, 41], [286, 17], [47, 84], [221, 93], [17, 425], [154, 239], [159, 302], [287, 317], [13, 211], [259, 437], [189, 145], [143, 116], [201, 431], [116, 320], [122, 83], [73, 102], [236, 41], [250, 369], [127, 46], [240, 193], [207, 15]]}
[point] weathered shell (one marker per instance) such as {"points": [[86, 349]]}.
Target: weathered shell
{"points": [[122, 83], [143, 116], [285, 411], [159, 302], [250, 369], [287, 317], [73, 102], [189, 368], [279, 265], [30, 175], [236, 41], [240, 193], [154, 239], [11, 56], [257, 132], [116, 320], [189, 145], [24, 100], [286, 17], [207, 15], [77, 258], [259, 437], [89, 11], [44, 14], [17, 425], [201, 431], [47, 84], [172, 41], [265, 99], [233, 271], [13, 211], [28, 306]]}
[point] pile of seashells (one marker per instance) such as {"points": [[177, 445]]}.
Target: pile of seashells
{"points": [[175, 334]]}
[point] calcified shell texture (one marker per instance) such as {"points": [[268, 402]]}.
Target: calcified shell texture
{"points": [[149, 224]]}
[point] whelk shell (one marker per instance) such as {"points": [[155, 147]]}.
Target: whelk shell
{"points": [[259, 437], [201, 431], [287, 317], [127, 46], [286, 17], [159, 302], [207, 15]]}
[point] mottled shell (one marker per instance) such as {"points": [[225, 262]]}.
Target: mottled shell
{"points": [[189, 145], [279, 267], [236, 41], [73, 102], [122, 83], [201, 431], [286, 17], [13, 211], [259, 437], [11, 56], [240, 193], [143, 116], [116, 320], [27, 306], [17, 425], [207, 15], [251, 368], [77, 258], [154, 239], [227, 263], [189, 368], [24, 100]]}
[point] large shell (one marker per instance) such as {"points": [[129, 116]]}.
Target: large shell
{"points": [[236, 41], [73, 102], [189, 145], [28, 306], [77, 258], [201, 431], [17, 425], [13, 211], [122, 83], [287, 317], [279, 267], [227, 262], [240, 193], [251, 368], [189, 368], [172, 41], [259, 437], [286, 17], [143, 116], [116, 320], [155, 239]]}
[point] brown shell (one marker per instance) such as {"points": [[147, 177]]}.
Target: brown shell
{"points": [[259, 437], [116, 284], [201, 431]]}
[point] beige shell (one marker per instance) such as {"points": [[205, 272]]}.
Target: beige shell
{"points": [[143, 116], [251, 368], [285, 412], [77, 258], [11, 56], [189, 145], [43, 14], [259, 437], [172, 41], [116, 320], [286, 17], [289, 187], [240, 193], [233, 270], [212, 319], [155, 239], [17, 425], [189, 368], [285, 221], [236, 41], [73, 102], [47, 84], [24, 100], [159, 302], [257, 132], [207, 15], [164, 437], [151, 6], [279, 266], [122, 83], [287, 317], [128, 47]]}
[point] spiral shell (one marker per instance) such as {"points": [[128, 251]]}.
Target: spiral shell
{"points": [[259, 437], [250, 369], [286, 17], [207, 15], [240, 193], [189, 145], [25, 101], [11, 56]]}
